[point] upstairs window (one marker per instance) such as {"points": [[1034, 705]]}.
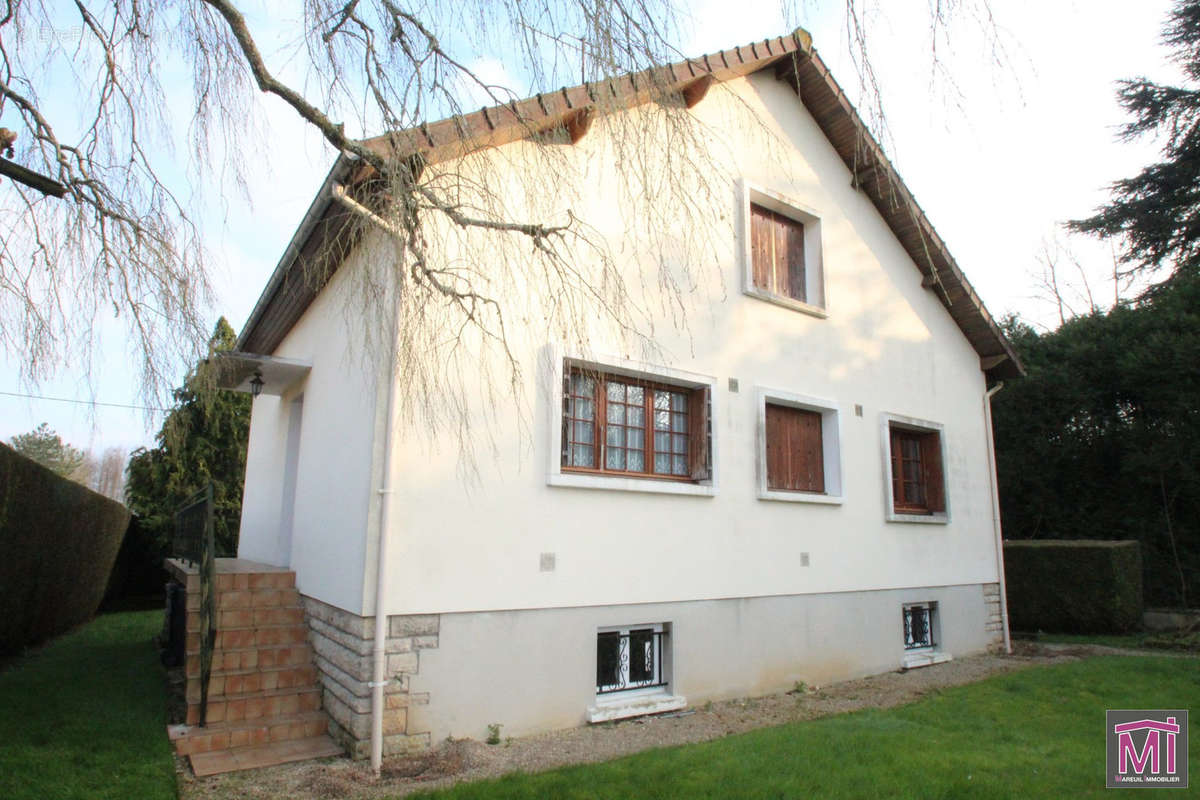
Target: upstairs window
{"points": [[795, 453], [613, 424], [780, 244], [777, 253]]}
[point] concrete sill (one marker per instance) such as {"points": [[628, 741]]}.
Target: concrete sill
{"points": [[635, 707], [914, 660]]}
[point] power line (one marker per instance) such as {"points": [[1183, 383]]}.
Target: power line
{"points": [[82, 402]]}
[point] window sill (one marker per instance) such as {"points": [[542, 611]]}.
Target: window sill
{"points": [[927, 519], [624, 707], [787, 302], [617, 484], [925, 658], [800, 497]]}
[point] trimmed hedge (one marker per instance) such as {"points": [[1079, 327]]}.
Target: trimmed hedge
{"points": [[1073, 585], [59, 540]]}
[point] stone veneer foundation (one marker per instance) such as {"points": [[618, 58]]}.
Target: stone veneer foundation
{"points": [[991, 601], [343, 645]]}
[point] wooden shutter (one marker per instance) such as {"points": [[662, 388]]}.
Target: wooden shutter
{"points": [[699, 461], [897, 469], [777, 253], [761, 248], [932, 473], [792, 268], [795, 451]]}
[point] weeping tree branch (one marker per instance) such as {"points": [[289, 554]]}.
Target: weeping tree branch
{"points": [[472, 257]]}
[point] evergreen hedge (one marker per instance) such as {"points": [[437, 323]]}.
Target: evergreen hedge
{"points": [[59, 542], [1073, 586]]}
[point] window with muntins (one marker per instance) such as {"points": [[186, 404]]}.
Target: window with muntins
{"points": [[795, 451], [777, 253], [918, 483], [613, 424], [630, 658]]}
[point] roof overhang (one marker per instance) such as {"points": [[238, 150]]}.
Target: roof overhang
{"points": [[327, 228], [236, 370]]}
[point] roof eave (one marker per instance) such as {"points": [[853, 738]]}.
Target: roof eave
{"points": [[316, 210]]}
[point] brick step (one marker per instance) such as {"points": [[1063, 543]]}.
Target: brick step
{"points": [[244, 638], [234, 683], [267, 657], [275, 591], [257, 705], [189, 739], [267, 755], [249, 598], [245, 658], [233, 581], [236, 618]]}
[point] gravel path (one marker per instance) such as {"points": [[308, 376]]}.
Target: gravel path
{"points": [[465, 760]]}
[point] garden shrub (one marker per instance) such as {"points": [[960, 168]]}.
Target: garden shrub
{"points": [[59, 542], [1073, 586]]}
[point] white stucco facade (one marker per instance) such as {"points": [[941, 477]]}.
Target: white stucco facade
{"points": [[526, 562]]}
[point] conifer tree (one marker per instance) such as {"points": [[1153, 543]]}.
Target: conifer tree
{"points": [[1156, 213], [203, 439]]}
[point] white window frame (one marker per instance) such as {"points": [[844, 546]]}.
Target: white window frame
{"points": [[886, 420], [831, 446], [621, 696], [814, 270], [557, 358]]}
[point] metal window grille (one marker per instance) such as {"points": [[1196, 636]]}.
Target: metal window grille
{"points": [[918, 625], [631, 659]]}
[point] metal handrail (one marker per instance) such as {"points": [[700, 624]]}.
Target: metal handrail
{"points": [[194, 543]]}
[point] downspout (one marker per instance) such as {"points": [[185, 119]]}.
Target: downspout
{"points": [[378, 679], [991, 447]]}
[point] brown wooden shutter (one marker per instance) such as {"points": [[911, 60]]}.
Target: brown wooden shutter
{"points": [[794, 260], [776, 444], [933, 475], [897, 468], [699, 461], [795, 452], [810, 467], [761, 257]]}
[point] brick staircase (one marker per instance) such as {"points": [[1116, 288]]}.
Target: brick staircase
{"points": [[264, 697]]}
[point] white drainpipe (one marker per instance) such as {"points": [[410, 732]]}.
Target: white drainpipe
{"points": [[991, 447], [378, 678]]}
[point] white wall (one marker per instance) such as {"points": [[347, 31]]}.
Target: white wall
{"points": [[535, 670], [333, 482], [465, 546], [886, 344]]}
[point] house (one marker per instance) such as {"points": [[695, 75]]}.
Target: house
{"points": [[799, 488]]}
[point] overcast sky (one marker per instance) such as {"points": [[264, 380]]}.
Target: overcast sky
{"points": [[997, 155]]}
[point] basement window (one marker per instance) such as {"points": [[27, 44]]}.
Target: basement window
{"points": [[630, 659], [922, 633], [632, 673]]}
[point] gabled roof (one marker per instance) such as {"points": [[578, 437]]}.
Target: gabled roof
{"points": [[298, 278]]}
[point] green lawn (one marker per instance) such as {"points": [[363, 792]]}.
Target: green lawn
{"points": [[1034, 733], [85, 717]]}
